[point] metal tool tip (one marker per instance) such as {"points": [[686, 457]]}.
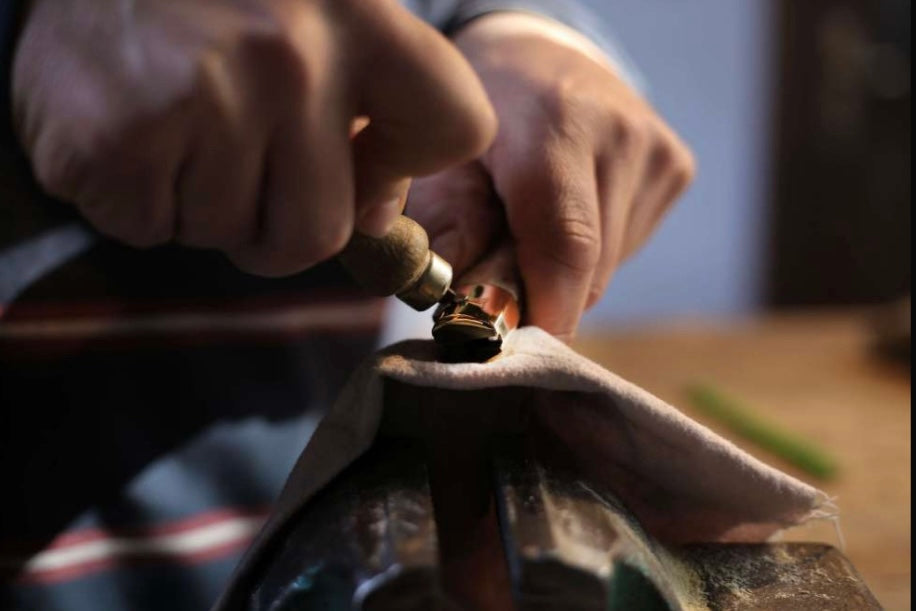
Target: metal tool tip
{"points": [[470, 324]]}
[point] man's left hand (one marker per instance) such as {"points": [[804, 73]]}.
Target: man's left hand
{"points": [[582, 170]]}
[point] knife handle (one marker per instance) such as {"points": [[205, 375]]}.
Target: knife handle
{"points": [[400, 263]]}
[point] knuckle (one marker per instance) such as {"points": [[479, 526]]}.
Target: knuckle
{"points": [[673, 157], [209, 72], [72, 163], [679, 167], [257, 263], [685, 168], [116, 187], [283, 257], [211, 233], [595, 293], [58, 168], [576, 244], [631, 135], [572, 109], [480, 130], [271, 49], [146, 235], [147, 223], [561, 101], [267, 261], [328, 242], [468, 132], [141, 226], [158, 103]]}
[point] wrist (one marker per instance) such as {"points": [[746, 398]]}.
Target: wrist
{"points": [[512, 23]]}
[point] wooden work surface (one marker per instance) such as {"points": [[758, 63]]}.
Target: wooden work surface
{"points": [[812, 373]]}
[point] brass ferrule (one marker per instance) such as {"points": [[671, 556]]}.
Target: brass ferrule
{"points": [[431, 286]]}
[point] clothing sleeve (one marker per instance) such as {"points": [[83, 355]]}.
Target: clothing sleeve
{"points": [[450, 15]]}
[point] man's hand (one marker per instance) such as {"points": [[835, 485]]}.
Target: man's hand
{"points": [[229, 124], [582, 168]]}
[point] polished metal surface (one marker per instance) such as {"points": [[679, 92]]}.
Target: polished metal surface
{"points": [[431, 286], [367, 542], [408, 528], [473, 326]]}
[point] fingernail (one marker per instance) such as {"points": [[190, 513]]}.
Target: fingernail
{"points": [[376, 222]]}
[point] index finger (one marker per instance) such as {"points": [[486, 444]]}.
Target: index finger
{"points": [[551, 203], [427, 109]]}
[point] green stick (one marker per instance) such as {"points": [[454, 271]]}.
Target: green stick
{"points": [[741, 420]]}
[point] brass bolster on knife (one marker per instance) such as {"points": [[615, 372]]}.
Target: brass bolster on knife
{"points": [[432, 284]]}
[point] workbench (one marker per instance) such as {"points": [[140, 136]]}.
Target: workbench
{"points": [[810, 372]]}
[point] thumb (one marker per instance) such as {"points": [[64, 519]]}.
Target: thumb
{"points": [[460, 212], [426, 111]]}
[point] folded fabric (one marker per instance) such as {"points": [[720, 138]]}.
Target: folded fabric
{"points": [[681, 481]]}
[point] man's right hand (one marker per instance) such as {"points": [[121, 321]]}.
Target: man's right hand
{"points": [[229, 124]]}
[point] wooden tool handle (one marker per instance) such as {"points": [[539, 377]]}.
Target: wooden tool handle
{"points": [[388, 265]]}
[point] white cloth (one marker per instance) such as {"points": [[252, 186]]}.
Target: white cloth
{"points": [[683, 482]]}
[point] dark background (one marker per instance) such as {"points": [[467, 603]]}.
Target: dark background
{"points": [[841, 202]]}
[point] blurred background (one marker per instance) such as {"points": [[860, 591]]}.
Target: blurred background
{"points": [[770, 281], [799, 116]]}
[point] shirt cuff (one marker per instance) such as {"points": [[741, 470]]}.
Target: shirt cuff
{"points": [[566, 22], [509, 23]]}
